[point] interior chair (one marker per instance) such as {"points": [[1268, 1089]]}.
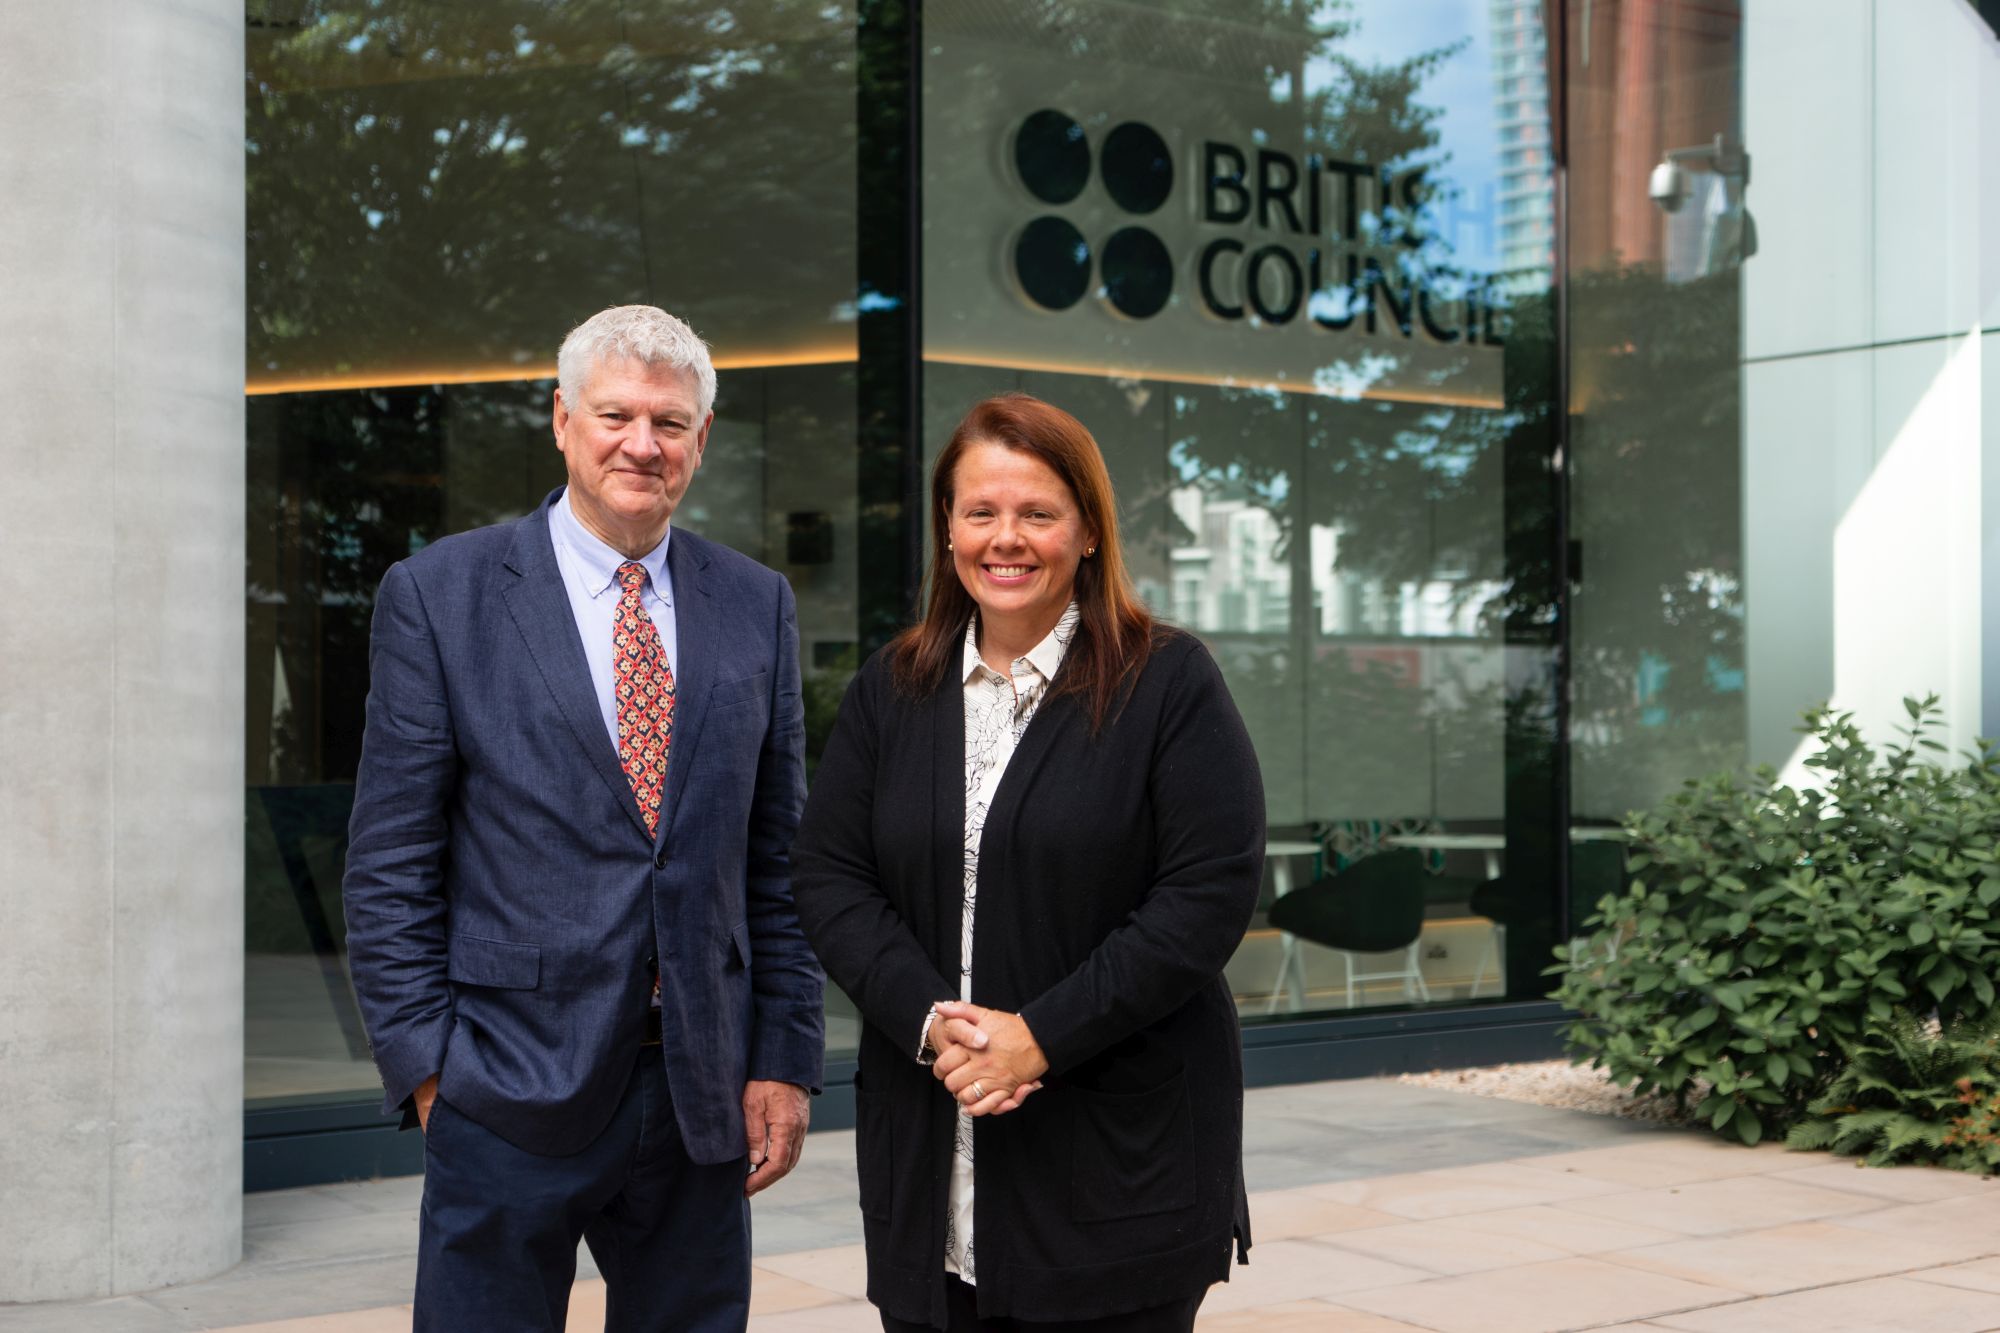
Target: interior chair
{"points": [[1596, 867], [1375, 906]]}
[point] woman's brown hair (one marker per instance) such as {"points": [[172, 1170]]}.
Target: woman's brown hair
{"points": [[1114, 630]]}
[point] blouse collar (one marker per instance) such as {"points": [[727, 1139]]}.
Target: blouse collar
{"points": [[1045, 657]]}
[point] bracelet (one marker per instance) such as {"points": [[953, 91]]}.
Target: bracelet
{"points": [[925, 1055]]}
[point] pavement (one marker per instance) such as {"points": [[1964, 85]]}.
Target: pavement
{"points": [[1377, 1206]]}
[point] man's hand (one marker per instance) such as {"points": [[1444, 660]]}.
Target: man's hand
{"points": [[997, 1077], [774, 1120], [425, 1094]]}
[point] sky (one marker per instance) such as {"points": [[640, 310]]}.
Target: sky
{"points": [[1390, 31]]}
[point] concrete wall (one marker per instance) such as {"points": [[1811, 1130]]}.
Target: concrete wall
{"points": [[121, 645], [1871, 424]]}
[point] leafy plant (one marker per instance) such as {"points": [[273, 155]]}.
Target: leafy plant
{"points": [[1914, 1092], [1768, 932]]}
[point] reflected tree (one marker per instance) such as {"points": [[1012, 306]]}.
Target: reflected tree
{"points": [[1657, 515], [435, 185]]}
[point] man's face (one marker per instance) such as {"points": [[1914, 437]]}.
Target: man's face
{"points": [[632, 442]]}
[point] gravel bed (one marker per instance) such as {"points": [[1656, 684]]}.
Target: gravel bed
{"points": [[1555, 1083]]}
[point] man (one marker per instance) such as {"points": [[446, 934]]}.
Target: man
{"points": [[568, 891]]}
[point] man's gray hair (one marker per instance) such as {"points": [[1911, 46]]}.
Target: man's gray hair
{"points": [[638, 333]]}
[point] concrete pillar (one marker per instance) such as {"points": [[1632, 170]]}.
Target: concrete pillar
{"points": [[121, 645]]}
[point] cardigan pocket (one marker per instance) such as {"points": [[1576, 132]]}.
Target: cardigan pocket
{"points": [[1131, 1152]]}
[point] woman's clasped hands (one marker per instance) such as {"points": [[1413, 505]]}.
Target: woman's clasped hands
{"points": [[987, 1059]]}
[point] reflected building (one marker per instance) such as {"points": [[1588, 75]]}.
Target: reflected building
{"points": [[1226, 578], [1526, 206]]}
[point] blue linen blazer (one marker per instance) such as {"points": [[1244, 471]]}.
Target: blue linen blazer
{"points": [[505, 905]]}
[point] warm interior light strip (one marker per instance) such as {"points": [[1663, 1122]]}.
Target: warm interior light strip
{"points": [[403, 379], [1391, 394], [846, 356]]}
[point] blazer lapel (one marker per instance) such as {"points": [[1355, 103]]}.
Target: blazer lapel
{"points": [[697, 636], [540, 606]]}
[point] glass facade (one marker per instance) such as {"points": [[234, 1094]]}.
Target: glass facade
{"points": [[1444, 374], [437, 194], [1264, 254], [1294, 271], [1655, 311]]}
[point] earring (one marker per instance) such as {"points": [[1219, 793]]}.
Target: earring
{"points": [[1091, 552], [949, 547]]}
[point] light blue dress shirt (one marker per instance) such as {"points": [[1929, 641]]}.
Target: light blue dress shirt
{"points": [[590, 576]]}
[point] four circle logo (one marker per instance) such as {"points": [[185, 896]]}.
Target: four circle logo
{"points": [[1052, 260]]}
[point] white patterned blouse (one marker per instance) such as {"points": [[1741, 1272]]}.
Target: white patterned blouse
{"points": [[997, 711]]}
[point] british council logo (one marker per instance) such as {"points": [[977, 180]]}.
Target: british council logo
{"points": [[1052, 259]]}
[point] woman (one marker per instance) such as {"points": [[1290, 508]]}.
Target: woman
{"points": [[1033, 841]]}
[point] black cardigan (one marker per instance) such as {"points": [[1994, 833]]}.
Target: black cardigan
{"points": [[1117, 874]]}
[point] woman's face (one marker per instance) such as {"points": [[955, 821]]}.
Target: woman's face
{"points": [[1017, 537]]}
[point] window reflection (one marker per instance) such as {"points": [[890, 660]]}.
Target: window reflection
{"points": [[1655, 408], [1322, 483], [436, 193], [434, 187], [1340, 501]]}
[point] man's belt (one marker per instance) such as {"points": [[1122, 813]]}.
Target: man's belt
{"points": [[650, 1036]]}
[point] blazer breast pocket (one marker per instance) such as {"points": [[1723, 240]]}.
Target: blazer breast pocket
{"points": [[741, 690]]}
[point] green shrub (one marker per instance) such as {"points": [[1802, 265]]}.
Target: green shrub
{"points": [[1767, 932], [1914, 1093]]}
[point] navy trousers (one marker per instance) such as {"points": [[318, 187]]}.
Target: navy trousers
{"points": [[497, 1241]]}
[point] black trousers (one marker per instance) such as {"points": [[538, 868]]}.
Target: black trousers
{"points": [[961, 1308], [497, 1242]]}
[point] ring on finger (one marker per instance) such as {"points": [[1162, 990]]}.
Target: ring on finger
{"points": [[978, 1091]]}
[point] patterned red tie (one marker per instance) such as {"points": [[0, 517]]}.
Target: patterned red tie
{"points": [[645, 686]]}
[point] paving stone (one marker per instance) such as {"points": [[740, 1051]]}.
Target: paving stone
{"points": [[1473, 1189], [1956, 1230], [1571, 1232], [847, 1317], [278, 1207], [1979, 1275], [1534, 1298], [358, 1235], [1391, 1208], [1445, 1247], [247, 1296], [1787, 1258], [384, 1319], [841, 1269], [389, 1194], [1678, 1159], [1713, 1207], [1287, 1214], [1295, 1270], [775, 1293], [1904, 1184], [1300, 1317], [1875, 1306], [124, 1314], [586, 1308]]}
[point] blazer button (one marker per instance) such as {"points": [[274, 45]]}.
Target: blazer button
{"points": [[660, 861], [652, 962]]}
